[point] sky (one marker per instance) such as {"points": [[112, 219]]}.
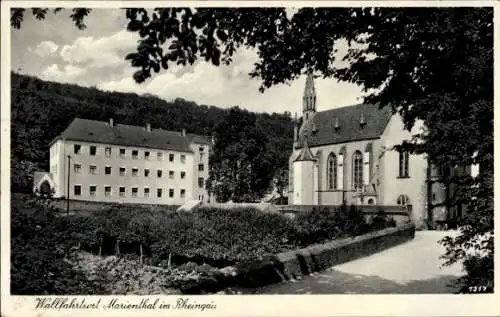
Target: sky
{"points": [[55, 50]]}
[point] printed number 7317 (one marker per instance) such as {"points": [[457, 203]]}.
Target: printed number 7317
{"points": [[477, 289]]}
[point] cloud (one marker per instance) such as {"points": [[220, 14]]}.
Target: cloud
{"points": [[227, 86], [45, 48], [108, 51], [68, 74]]}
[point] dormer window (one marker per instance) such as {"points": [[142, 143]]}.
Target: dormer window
{"points": [[337, 124], [314, 129], [362, 121]]}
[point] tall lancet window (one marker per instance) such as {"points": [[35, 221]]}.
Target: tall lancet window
{"points": [[357, 170], [332, 171], [404, 160]]}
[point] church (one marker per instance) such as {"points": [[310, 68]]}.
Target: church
{"points": [[346, 155]]}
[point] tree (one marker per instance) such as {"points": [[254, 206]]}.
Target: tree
{"points": [[239, 170], [432, 64]]}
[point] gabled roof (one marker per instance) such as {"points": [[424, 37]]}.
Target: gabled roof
{"points": [[38, 176], [198, 139], [305, 154], [350, 129], [127, 135]]}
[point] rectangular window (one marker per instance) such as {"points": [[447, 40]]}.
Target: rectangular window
{"points": [[201, 149], [122, 191], [403, 164], [92, 190], [183, 193], [183, 175], [159, 173], [171, 157], [122, 171], [146, 172], [201, 182], [92, 169], [77, 190], [107, 170], [107, 191], [134, 191], [146, 155], [183, 158], [171, 174], [158, 192], [93, 150], [122, 153], [77, 168], [135, 154], [77, 148], [107, 152], [159, 155], [201, 168], [171, 193], [135, 171], [146, 192]]}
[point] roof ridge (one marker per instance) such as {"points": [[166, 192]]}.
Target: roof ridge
{"points": [[125, 125]]}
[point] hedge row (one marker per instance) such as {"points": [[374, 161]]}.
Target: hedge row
{"points": [[208, 235]]}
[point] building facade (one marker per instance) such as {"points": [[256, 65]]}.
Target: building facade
{"points": [[347, 155], [107, 162]]}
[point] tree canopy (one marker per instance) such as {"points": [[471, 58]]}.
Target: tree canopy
{"points": [[433, 64]]}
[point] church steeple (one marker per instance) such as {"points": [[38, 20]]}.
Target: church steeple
{"points": [[309, 98]]}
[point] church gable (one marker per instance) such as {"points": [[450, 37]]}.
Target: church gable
{"points": [[346, 124]]}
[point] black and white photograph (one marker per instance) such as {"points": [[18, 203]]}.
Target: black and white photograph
{"points": [[282, 149]]}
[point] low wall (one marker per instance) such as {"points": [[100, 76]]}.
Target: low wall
{"points": [[292, 264], [400, 215]]}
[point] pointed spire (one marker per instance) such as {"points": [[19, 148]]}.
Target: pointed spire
{"points": [[309, 98], [309, 88]]}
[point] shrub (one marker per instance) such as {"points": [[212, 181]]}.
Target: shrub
{"points": [[39, 246], [327, 223]]}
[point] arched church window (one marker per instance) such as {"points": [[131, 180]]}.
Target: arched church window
{"points": [[403, 200], [357, 168], [332, 171]]}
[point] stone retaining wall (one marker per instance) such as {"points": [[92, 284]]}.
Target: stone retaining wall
{"points": [[292, 264]]}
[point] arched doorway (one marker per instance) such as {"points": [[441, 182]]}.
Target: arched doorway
{"points": [[45, 189]]}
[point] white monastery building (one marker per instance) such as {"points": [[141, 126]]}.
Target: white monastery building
{"points": [[347, 155], [108, 162]]}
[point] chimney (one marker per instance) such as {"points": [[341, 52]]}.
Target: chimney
{"points": [[111, 124], [148, 127], [183, 132]]}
